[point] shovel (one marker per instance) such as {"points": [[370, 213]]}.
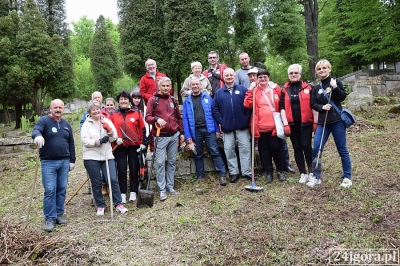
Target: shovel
{"points": [[146, 196]]}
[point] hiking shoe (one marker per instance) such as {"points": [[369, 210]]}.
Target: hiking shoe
{"points": [[222, 181], [172, 191], [304, 178], [61, 220], [123, 198], [281, 177], [312, 181], [132, 196], [100, 211], [346, 183], [49, 226], [163, 195], [121, 209]]}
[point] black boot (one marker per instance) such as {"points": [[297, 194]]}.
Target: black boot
{"points": [[281, 177], [234, 178]]}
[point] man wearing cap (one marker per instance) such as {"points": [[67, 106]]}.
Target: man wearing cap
{"points": [[241, 74]]}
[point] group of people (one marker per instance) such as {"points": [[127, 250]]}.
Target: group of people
{"points": [[218, 104]]}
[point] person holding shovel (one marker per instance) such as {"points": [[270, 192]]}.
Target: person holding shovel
{"points": [[57, 159], [96, 134], [131, 137], [329, 121]]}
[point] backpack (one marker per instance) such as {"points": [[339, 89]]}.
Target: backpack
{"points": [[175, 106]]}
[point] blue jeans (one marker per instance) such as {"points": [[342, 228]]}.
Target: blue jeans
{"points": [[211, 142], [54, 180], [96, 178], [339, 136]]}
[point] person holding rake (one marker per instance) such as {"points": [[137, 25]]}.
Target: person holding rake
{"points": [[329, 121]]}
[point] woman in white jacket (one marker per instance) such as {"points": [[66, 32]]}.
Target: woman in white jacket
{"points": [[96, 134]]}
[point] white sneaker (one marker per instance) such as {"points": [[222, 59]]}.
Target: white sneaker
{"points": [[303, 178], [132, 197], [346, 183], [100, 211], [121, 209], [312, 181], [123, 197]]}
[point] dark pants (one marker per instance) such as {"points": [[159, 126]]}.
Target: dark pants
{"points": [[211, 142], [270, 147], [285, 154], [94, 169], [301, 140], [125, 156]]}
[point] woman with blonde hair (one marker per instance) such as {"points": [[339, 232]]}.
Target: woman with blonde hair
{"points": [[329, 90]]}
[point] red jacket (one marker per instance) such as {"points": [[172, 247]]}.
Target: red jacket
{"points": [[134, 121], [248, 103], [305, 105], [148, 85], [165, 109]]}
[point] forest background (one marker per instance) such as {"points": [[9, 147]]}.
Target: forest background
{"points": [[42, 59]]}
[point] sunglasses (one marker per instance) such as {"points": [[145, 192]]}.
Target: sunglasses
{"points": [[322, 68], [293, 73]]}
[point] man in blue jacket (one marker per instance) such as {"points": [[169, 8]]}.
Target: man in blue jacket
{"points": [[234, 118], [199, 125]]}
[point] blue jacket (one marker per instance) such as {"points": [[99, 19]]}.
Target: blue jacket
{"points": [[188, 116], [228, 109]]}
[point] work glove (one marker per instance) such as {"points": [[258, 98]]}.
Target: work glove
{"points": [[107, 127], [39, 141], [143, 147], [333, 83], [315, 125], [286, 130], [119, 141], [71, 166], [104, 139]]}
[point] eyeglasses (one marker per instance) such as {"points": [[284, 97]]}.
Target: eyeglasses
{"points": [[322, 68], [212, 57], [293, 73]]}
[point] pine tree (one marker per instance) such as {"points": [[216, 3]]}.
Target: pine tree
{"points": [[103, 59]]}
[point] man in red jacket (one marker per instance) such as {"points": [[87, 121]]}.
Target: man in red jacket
{"points": [[163, 110], [148, 83]]}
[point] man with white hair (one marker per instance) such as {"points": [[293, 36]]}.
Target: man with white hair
{"points": [[148, 83]]}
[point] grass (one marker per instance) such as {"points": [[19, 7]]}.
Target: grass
{"points": [[287, 224]]}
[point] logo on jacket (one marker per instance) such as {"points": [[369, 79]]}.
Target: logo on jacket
{"points": [[132, 119], [171, 104], [206, 100], [54, 129], [306, 91], [237, 92]]}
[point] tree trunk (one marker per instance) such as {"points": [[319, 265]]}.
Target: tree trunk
{"points": [[179, 87], [18, 115], [311, 20], [7, 119]]}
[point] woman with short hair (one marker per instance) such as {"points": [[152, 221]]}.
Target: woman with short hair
{"points": [[96, 134], [197, 73]]}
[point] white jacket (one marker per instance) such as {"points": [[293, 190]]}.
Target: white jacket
{"points": [[90, 133]]}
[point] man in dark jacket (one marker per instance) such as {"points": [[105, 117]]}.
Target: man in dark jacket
{"points": [[163, 111], [234, 118], [57, 159]]}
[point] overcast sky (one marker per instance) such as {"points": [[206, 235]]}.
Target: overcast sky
{"points": [[92, 9]]}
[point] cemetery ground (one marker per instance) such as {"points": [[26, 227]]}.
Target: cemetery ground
{"points": [[287, 224]]}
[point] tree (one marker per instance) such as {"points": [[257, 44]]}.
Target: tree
{"points": [[44, 59], [188, 34], [247, 35], [285, 30], [53, 13], [82, 36], [103, 59], [142, 35]]}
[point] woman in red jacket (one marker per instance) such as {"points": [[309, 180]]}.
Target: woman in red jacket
{"points": [[267, 95], [299, 118], [130, 128]]}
